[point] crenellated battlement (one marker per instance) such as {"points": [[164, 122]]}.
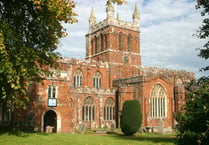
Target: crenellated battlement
{"points": [[114, 22], [81, 62], [169, 73], [111, 20]]}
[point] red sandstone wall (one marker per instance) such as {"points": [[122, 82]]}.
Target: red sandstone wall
{"points": [[147, 87], [63, 104]]}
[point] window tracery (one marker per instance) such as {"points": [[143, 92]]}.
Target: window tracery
{"points": [[78, 76], [109, 110], [158, 102], [97, 80], [88, 109]]}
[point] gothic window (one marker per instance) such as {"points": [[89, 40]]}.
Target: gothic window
{"points": [[102, 42], [88, 112], [158, 102], [97, 80], [92, 46], [95, 44], [106, 42], [51, 91], [78, 78], [120, 41], [129, 42], [109, 109]]}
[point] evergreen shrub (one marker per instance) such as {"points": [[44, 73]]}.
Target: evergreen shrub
{"points": [[131, 118]]}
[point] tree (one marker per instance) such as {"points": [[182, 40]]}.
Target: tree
{"points": [[203, 32], [29, 33], [119, 2], [193, 119], [131, 118]]}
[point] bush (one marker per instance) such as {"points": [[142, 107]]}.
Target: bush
{"points": [[193, 118], [188, 138], [131, 118]]}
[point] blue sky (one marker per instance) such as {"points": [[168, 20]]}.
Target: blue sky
{"points": [[167, 28]]}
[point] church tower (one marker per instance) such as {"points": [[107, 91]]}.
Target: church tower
{"points": [[113, 40]]}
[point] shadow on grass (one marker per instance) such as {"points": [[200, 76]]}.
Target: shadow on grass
{"points": [[153, 139], [20, 133], [26, 134]]}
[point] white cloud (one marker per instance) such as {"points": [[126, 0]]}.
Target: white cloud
{"points": [[167, 27]]}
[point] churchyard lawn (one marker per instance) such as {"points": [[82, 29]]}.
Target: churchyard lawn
{"points": [[20, 138]]}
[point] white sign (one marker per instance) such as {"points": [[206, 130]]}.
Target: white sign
{"points": [[52, 102]]}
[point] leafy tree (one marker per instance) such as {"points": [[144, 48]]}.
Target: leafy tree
{"points": [[131, 118], [118, 1], [29, 34], [193, 119], [203, 32]]}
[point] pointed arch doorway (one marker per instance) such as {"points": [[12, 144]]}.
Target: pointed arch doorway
{"points": [[50, 121]]}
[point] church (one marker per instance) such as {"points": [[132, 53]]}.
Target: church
{"points": [[90, 93]]}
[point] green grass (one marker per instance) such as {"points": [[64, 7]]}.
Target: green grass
{"points": [[84, 139]]}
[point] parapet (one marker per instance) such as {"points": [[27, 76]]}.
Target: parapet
{"points": [[114, 22], [169, 73]]}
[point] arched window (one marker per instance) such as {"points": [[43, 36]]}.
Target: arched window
{"points": [[109, 109], [120, 41], [158, 102], [88, 112], [78, 78], [92, 47], [106, 41], [97, 80], [102, 42], [129, 42], [51, 92], [95, 44]]}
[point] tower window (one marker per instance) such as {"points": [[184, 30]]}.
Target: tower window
{"points": [[120, 41], [95, 44], [92, 50], [106, 42], [102, 42], [129, 42]]}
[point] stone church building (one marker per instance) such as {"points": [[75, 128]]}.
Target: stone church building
{"points": [[91, 92]]}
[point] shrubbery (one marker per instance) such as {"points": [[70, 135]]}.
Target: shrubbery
{"points": [[193, 119], [131, 118]]}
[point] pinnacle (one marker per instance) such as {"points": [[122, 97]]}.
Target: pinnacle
{"points": [[92, 15], [110, 6], [136, 12]]}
